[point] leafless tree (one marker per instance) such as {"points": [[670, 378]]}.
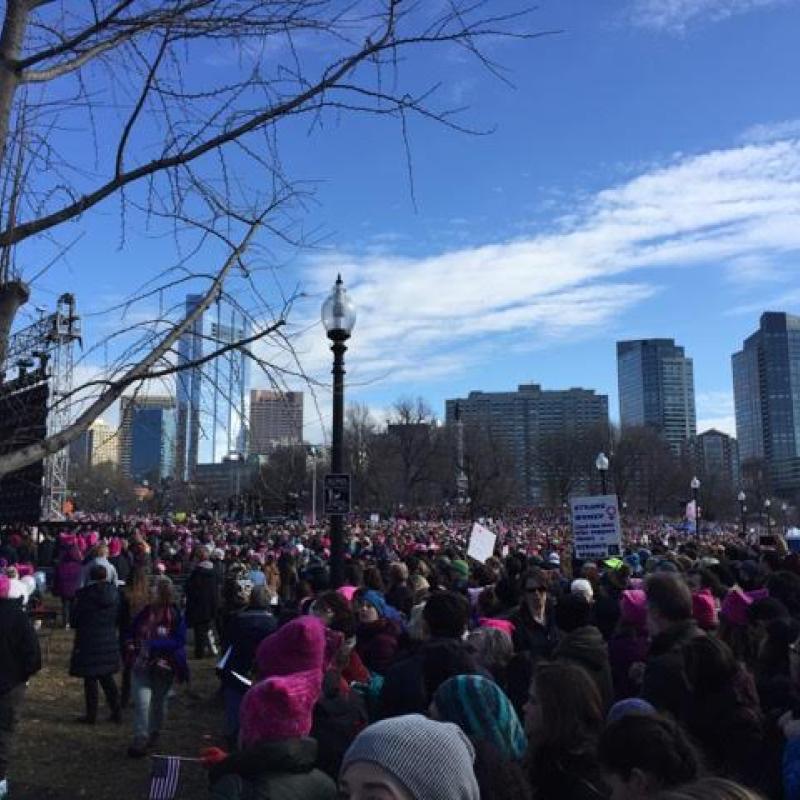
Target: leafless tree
{"points": [[172, 110]]}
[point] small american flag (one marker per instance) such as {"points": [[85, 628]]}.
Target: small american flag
{"points": [[164, 777]]}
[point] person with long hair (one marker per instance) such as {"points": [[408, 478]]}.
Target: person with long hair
{"points": [[563, 720], [156, 650], [710, 789], [135, 596]]}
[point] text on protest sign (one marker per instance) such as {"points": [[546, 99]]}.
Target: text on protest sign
{"points": [[596, 529], [481, 543]]}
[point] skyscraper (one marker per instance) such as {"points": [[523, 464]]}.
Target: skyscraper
{"points": [[719, 457], [656, 389], [147, 437], [188, 385], [520, 421], [276, 418], [766, 389], [212, 398]]}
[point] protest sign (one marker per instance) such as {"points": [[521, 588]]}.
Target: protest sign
{"points": [[481, 543], [596, 529]]}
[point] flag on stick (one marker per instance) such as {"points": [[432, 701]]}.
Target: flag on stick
{"points": [[164, 777]]}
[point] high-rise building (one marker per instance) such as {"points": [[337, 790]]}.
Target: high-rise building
{"points": [[212, 410], [766, 389], [656, 389], [188, 386], [719, 457], [520, 421], [147, 437], [96, 445], [276, 419]]}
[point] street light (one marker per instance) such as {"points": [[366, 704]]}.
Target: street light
{"points": [[601, 462], [695, 486], [784, 509], [767, 507], [741, 497], [339, 318]]}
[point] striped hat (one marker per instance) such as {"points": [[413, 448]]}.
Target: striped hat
{"points": [[481, 709], [412, 749]]}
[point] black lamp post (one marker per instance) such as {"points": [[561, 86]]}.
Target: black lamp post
{"points": [[743, 511], [767, 509], [784, 510], [695, 486], [601, 462], [338, 317]]}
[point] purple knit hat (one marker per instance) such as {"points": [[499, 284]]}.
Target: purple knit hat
{"points": [[298, 646], [278, 708], [633, 608], [735, 605]]}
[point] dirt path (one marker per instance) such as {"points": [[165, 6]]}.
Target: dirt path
{"points": [[55, 758]]}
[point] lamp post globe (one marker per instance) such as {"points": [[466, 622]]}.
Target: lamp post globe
{"points": [[767, 509], [338, 319], [601, 463]]}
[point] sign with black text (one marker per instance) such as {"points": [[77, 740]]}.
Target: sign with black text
{"points": [[596, 531]]}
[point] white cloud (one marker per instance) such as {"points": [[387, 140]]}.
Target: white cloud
{"points": [[427, 318], [726, 424], [676, 15], [771, 131]]}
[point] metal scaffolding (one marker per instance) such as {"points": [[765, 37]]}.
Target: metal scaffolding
{"points": [[51, 340]]}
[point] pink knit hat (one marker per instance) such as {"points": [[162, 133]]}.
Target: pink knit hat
{"points": [[704, 610], [278, 708], [5, 586], [633, 608], [348, 592], [735, 605], [504, 625], [298, 646], [114, 547]]}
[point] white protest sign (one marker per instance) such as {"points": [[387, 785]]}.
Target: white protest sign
{"points": [[481, 543], [374, 518], [595, 526]]}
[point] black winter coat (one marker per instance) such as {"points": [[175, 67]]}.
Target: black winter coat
{"points": [[201, 594], [244, 632], [19, 646], [95, 617], [665, 684], [282, 770], [586, 648]]}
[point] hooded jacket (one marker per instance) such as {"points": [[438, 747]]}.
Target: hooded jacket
{"points": [[95, 617], [585, 647], [280, 770]]}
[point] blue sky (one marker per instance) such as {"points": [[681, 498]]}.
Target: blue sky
{"points": [[642, 179]]}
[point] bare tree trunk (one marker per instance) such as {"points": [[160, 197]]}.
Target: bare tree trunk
{"points": [[11, 39]]}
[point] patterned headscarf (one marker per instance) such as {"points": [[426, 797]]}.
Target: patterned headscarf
{"points": [[482, 710]]}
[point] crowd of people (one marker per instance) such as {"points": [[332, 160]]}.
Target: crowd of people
{"points": [[669, 671]]}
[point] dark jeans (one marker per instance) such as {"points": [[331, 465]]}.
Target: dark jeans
{"points": [[93, 696], [10, 705], [66, 609], [201, 644]]}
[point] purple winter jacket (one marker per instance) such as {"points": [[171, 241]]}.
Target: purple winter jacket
{"points": [[67, 578]]}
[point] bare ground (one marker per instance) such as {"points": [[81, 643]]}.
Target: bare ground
{"points": [[55, 758]]}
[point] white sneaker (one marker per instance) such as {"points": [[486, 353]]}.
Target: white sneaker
{"points": [[3, 789]]}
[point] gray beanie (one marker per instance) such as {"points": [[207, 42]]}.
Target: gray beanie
{"points": [[414, 749]]}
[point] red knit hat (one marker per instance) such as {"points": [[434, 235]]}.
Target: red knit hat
{"points": [[633, 608], [279, 708], [299, 646], [704, 609]]}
